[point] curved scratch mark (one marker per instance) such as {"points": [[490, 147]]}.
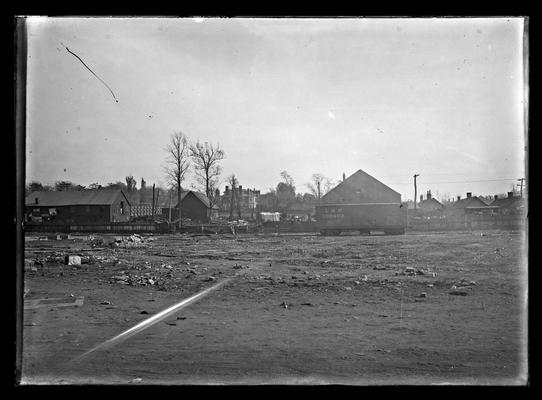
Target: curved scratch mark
{"points": [[86, 66]]}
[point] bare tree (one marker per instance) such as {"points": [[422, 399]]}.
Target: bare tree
{"points": [[232, 180], [35, 186], [288, 180], [64, 186], [206, 159], [130, 183], [285, 192], [94, 186], [328, 185], [177, 164], [315, 186]]}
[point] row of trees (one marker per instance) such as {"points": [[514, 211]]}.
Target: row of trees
{"points": [[65, 186], [203, 158], [284, 197]]}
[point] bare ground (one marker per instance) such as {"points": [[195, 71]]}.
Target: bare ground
{"points": [[300, 309]]}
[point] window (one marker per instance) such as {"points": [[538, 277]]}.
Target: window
{"points": [[122, 207]]}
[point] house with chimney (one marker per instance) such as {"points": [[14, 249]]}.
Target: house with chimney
{"points": [[245, 202], [430, 205], [509, 205], [469, 205]]}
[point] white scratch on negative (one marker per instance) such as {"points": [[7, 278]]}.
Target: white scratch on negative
{"points": [[153, 320]]}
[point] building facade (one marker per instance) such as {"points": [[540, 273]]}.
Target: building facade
{"points": [[78, 207]]}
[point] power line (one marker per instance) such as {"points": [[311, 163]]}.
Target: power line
{"points": [[474, 181]]}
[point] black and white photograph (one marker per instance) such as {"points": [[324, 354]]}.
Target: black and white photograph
{"points": [[254, 201]]}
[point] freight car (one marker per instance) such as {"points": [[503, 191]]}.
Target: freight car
{"points": [[391, 218]]}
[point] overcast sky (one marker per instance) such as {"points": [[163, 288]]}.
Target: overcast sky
{"points": [[442, 98]]}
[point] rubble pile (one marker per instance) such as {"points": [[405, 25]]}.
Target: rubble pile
{"points": [[411, 271], [158, 276], [133, 240]]}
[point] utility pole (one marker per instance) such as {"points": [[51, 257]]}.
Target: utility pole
{"points": [[152, 209], [155, 205], [169, 219], [521, 186], [415, 189]]}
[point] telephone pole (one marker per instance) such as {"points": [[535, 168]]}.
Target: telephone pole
{"points": [[415, 190], [521, 186]]}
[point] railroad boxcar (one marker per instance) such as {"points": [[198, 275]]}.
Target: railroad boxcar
{"points": [[391, 218]]}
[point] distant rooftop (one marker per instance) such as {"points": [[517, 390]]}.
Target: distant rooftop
{"points": [[73, 198]]}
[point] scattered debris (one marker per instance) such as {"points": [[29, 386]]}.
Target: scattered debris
{"points": [[410, 271], [463, 283], [29, 265], [284, 304], [422, 295], [106, 303], [456, 292], [136, 380], [347, 288], [72, 260]]}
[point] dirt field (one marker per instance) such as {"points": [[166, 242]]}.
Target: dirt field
{"points": [[299, 309]]}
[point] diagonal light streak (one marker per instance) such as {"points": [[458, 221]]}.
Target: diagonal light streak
{"points": [[152, 320]]}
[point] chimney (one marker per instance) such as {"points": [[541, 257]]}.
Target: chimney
{"points": [[469, 195], [344, 176], [36, 200], [458, 198], [495, 197], [510, 195], [421, 198], [428, 195], [240, 189], [226, 189]]}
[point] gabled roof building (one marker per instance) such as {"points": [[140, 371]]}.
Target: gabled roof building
{"points": [[360, 187], [510, 204], [78, 207]]}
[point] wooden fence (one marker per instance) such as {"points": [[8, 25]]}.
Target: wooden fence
{"points": [[124, 227], [467, 221]]}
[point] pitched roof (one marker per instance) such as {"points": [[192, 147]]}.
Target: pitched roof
{"points": [[371, 188], [468, 202], [430, 202], [506, 202], [201, 197], [73, 198], [204, 199]]}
